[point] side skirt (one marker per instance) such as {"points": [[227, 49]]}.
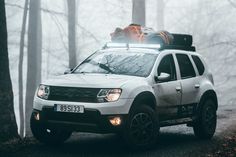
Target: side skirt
{"points": [[187, 121]]}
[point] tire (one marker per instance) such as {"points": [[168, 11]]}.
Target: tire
{"points": [[46, 135], [142, 128], [205, 125]]}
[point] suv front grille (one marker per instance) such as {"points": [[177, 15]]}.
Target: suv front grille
{"points": [[75, 94]]}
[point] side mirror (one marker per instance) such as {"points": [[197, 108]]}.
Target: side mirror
{"points": [[68, 71], [163, 77]]}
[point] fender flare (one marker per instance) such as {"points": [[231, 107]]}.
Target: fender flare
{"points": [[146, 97], [209, 94]]}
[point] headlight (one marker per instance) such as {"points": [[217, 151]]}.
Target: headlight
{"points": [[43, 92], [108, 95]]}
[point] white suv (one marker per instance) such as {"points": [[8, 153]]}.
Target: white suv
{"points": [[130, 89]]}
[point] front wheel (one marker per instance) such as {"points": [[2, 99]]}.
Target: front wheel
{"points": [[48, 135], [205, 125], [142, 128]]}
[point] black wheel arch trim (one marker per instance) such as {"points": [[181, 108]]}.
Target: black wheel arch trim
{"points": [[209, 94], [146, 97]]}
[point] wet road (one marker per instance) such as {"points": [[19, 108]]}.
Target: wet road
{"points": [[173, 141]]}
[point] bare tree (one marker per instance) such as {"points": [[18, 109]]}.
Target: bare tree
{"points": [[72, 32], [139, 12], [34, 57], [8, 129], [160, 14], [20, 70]]}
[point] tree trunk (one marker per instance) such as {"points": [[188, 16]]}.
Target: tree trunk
{"points": [[34, 58], [72, 32], [139, 12], [20, 70], [8, 129], [160, 14]]}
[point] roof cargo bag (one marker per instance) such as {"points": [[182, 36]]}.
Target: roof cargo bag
{"points": [[135, 33], [160, 37], [132, 33], [182, 39]]}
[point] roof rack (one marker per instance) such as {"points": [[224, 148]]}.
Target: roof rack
{"points": [[150, 46], [177, 47]]}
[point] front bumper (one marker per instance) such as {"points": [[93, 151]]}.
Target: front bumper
{"points": [[89, 121], [121, 106]]}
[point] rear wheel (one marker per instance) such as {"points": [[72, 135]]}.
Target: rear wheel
{"points": [[142, 128], [48, 135], [205, 125]]}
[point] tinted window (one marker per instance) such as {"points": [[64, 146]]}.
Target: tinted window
{"points": [[119, 62], [185, 65], [199, 64], [167, 65]]}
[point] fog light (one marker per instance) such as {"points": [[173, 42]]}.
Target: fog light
{"points": [[37, 117], [115, 121]]}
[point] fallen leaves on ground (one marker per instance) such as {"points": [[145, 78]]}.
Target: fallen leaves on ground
{"points": [[227, 148]]}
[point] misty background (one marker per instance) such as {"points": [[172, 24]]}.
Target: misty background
{"points": [[212, 24]]}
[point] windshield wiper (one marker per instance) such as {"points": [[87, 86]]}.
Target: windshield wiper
{"points": [[103, 66]]}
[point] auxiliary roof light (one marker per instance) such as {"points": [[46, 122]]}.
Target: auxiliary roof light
{"points": [[130, 45]]}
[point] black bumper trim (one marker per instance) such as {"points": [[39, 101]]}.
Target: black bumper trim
{"points": [[89, 121]]}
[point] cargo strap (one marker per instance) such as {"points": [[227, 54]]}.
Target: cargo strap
{"points": [[165, 37]]}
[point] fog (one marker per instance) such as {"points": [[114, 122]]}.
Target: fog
{"points": [[212, 24]]}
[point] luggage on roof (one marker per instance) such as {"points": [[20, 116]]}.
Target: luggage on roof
{"points": [[135, 33], [132, 33], [182, 39], [160, 37]]}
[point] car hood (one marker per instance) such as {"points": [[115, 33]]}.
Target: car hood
{"points": [[91, 80]]}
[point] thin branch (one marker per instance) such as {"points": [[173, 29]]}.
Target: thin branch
{"points": [[115, 5], [59, 27], [232, 3], [14, 5], [60, 14], [42, 9], [230, 43], [89, 33]]}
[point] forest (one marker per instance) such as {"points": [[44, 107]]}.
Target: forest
{"points": [[41, 39]]}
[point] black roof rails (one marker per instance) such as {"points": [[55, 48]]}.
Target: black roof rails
{"points": [[177, 47]]}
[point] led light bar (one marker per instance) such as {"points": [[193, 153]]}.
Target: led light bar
{"points": [[116, 45], [153, 46], [127, 45], [150, 46]]}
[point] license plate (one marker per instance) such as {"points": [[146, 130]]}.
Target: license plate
{"points": [[69, 108]]}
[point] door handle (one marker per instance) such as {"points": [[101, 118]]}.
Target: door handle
{"points": [[197, 86], [178, 89]]}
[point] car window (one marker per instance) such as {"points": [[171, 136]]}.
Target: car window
{"points": [[118, 62], [199, 64], [185, 66], [167, 65]]}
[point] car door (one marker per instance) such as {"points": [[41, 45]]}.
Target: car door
{"points": [[189, 84], [167, 93]]}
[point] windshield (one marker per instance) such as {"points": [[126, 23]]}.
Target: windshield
{"points": [[121, 63]]}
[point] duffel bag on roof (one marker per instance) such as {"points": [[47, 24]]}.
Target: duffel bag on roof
{"points": [[135, 33], [160, 37], [182, 39]]}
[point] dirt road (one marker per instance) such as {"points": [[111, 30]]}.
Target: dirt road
{"points": [[173, 141]]}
